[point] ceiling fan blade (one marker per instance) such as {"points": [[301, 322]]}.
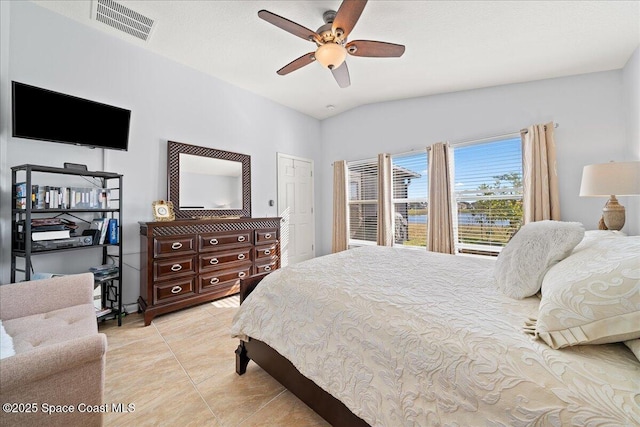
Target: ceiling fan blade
{"points": [[341, 74], [347, 16], [305, 59], [374, 49], [289, 26]]}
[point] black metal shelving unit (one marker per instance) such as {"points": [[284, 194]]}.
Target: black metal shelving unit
{"points": [[111, 288]]}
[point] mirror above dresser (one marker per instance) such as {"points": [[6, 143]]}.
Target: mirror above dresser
{"points": [[205, 182]]}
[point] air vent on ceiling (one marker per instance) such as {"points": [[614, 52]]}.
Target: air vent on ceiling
{"points": [[122, 18]]}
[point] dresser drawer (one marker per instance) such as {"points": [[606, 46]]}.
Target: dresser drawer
{"points": [[179, 266], [266, 236], [172, 245], [173, 290], [214, 241], [265, 252], [220, 260], [217, 281], [267, 267]]}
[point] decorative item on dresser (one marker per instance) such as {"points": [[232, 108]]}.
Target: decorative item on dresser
{"points": [[188, 262]]}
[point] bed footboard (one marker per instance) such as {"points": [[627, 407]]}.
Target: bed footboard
{"points": [[276, 365]]}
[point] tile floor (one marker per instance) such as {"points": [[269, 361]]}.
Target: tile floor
{"points": [[180, 371]]}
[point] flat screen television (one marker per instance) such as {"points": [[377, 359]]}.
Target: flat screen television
{"points": [[52, 116]]}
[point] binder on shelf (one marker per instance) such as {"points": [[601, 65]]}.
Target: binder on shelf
{"points": [[112, 231]]}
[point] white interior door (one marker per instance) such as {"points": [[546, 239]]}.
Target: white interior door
{"points": [[295, 206]]}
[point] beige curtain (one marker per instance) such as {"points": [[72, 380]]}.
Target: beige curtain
{"points": [[440, 219], [340, 238], [385, 201], [540, 178]]}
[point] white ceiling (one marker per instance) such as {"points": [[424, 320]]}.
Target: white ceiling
{"points": [[450, 45]]}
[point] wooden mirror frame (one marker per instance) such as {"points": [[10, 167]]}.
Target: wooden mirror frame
{"points": [[173, 163]]}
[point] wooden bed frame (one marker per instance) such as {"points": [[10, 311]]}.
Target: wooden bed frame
{"points": [[281, 369]]}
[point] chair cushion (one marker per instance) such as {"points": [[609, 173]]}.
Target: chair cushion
{"points": [[50, 328]]}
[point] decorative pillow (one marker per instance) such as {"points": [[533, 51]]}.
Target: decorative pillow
{"points": [[536, 247], [593, 296], [6, 343], [593, 236], [634, 346]]}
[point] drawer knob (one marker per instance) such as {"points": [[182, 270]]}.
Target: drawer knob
{"points": [[176, 289], [213, 261], [267, 268], [242, 274], [176, 267], [267, 236], [241, 256], [214, 280], [267, 252], [176, 245], [213, 241], [241, 238]]}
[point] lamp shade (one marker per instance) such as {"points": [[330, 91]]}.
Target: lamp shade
{"points": [[614, 178], [331, 55]]}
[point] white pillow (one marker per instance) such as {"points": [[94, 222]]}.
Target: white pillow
{"points": [[634, 346], [536, 247], [593, 296], [6, 343]]}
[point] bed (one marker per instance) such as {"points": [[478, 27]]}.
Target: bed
{"points": [[386, 336]]}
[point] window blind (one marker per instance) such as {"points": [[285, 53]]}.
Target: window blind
{"points": [[488, 193], [363, 201], [410, 191]]}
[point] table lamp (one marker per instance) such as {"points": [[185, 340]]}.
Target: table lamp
{"points": [[611, 179]]}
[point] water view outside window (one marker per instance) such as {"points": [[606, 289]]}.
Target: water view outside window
{"points": [[487, 181], [488, 193]]}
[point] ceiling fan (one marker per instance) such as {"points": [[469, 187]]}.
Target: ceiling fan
{"points": [[331, 41]]}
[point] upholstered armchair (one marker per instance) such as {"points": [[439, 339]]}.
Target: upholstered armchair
{"points": [[59, 354]]}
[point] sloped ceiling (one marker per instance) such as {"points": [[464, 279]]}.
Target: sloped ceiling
{"points": [[450, 45]]}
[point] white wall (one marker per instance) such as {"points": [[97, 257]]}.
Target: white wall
{"points": [[597, 113], [589, 109], [631, 84], [168, 101]]}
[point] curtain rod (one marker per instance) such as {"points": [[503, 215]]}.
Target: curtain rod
{"points": [[464, 142], [504, 135]]}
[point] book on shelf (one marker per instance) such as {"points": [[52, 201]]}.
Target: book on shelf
{"points": [[46, 229], [53, 197], [37, 236], [104, 230], [100, 224], [21, 195], [102, 273]]}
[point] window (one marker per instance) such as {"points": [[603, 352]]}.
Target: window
{"points": [[410, 189], [363, 201], [488, 194]]}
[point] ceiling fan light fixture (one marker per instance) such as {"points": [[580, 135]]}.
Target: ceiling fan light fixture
{"points": [[331, 55]]}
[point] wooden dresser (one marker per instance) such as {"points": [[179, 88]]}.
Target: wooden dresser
{"points": [[187, 262]]}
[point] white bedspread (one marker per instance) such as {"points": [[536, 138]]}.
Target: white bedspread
{"points": [[407, 338]]}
